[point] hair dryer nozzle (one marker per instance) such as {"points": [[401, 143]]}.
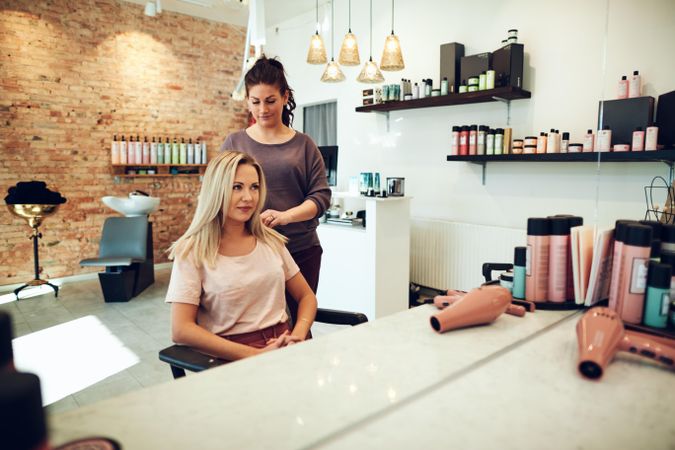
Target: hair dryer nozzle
{"points": [[480, 306]]}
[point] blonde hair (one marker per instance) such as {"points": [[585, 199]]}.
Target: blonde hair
{"points": [[201, 241]]}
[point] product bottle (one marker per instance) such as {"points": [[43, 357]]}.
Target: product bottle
{"points": [[638, 143], [175, 153], [482, 135], [604, 139], [499, 141], [444, 86], [167, 152], [490, 79], [565, 142], [139, 150], [183, 152], [536, 275], [620, 230], [204, 160], [552, 142], [651, 137], [146, 151], [428, 87], [482, 81], [623, 88], [588, 141], [667, 238], [557, 262], [123, 151], [416, 92], [153, 151], [657, 300], [519, 270], [160, 151], [115, 151], [635, 85], [454, 147], [464, 141], [541, 142], [190, 152], [634, 259], [490, 142], [669, 259], [473, 135], [198, 152], [131, 151]]}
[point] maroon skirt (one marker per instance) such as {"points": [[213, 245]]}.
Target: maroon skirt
{"points": [[259, 338]]}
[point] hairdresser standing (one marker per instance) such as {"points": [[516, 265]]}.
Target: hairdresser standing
{"points": [[298, 192]]}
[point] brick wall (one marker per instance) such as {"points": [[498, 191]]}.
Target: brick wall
{"points": [[72, 74]]}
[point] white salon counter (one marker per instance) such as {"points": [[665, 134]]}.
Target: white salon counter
{"points": [[302, 395], [531, 397]]}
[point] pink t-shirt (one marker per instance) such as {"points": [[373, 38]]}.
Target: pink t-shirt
{"points": [[240, 294]]}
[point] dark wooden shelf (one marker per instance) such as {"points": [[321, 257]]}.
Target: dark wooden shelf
{"points": [[491, 95], [665, 155]]}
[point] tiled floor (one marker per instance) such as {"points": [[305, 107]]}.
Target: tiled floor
{"points": [[142, 324]]}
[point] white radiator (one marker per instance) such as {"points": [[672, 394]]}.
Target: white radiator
{"points": [[450, 254]]}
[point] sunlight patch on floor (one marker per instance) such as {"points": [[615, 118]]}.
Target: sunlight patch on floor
{"points": [[71, 356]]}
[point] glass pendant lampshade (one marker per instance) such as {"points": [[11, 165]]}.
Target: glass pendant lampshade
{"points": [[333, 73], [349, 52], [317, 51], [370, 73], [392, 58]]}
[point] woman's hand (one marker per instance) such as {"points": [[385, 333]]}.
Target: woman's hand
{"points": [[273, 218]]}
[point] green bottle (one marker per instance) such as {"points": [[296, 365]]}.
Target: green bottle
{"points": [[174, 152], [657, 298]]}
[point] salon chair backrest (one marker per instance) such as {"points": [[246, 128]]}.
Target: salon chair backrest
{"points": [[123, 242]]}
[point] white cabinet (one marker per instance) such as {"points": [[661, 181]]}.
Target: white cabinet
{"points": [[368, 270]]}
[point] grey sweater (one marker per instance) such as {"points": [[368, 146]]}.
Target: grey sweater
{"points": [[294, 172]]}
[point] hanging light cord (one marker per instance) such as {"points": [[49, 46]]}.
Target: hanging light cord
{"points": [[392, 16], [371, 30], [317, 16], [350, 16], [332, 30]]}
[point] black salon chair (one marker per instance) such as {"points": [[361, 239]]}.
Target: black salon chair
{"points": [[125, 251], [181, 358]]}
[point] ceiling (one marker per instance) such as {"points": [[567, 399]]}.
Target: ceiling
{"points": [[236, 12]]}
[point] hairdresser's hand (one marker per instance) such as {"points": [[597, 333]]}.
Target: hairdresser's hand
{"points": [[273, 218]]}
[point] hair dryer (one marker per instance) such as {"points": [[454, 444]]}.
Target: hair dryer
{"points": [[601, 334], [443, 301], [480, 306]]}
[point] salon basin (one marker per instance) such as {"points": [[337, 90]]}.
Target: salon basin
{"points": [[133, 205]]}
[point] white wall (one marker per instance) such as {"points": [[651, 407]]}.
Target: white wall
{"points": [[565, 44]]}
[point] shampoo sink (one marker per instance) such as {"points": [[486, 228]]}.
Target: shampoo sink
{"points": [[133, 205]]}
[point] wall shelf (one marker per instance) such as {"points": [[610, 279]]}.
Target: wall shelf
{"points": [[666, 156], [504, 94], [161, 170]]}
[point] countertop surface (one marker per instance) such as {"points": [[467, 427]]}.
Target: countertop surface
{"points": [[395, 383]]}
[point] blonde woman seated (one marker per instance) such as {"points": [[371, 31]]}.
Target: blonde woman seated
{"points": [[230, 271]]}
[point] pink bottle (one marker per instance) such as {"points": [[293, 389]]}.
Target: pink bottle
{"points": [[558, 259], [473, 137], [638, 144], [464, 141], [146, 151], [536, 267], [575, 221], [623, 88], [131, 151], [454, 149], [620, 229], [634, 263]]}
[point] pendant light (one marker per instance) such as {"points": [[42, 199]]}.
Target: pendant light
{"points": [[317, 51], [370, 73], [332, 74], [392, 58], [349, 52]]}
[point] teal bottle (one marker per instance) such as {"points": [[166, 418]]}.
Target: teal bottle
{"points": [[657, 298], [519, 263]]}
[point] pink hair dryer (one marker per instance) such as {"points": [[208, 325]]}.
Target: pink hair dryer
{"points": [[601, 334], [480, 306]]}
